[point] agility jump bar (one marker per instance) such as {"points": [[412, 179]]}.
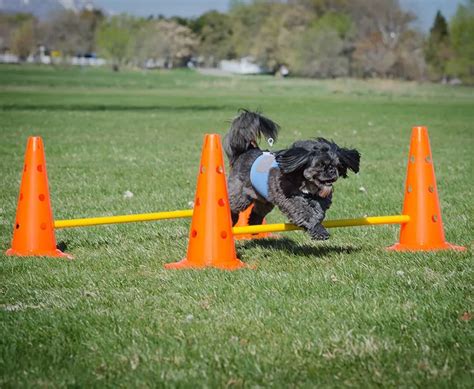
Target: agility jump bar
{"points": [[279, 227], [143, 217], [361, 221]]}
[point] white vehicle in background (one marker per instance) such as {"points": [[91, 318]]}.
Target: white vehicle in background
{"points": [[245, 65]]}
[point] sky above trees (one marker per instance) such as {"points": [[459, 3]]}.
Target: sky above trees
{"points": [[424, 9]]}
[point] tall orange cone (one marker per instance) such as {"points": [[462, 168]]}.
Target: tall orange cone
{"points": [[244, 221], [211, 242], [33, 233], [424, 231]]}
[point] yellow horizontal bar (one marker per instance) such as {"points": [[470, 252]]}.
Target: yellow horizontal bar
{"points": [[362, 221], [143, 217], [282, 227]]}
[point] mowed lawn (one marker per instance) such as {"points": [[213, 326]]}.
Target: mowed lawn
{"points": [[339, 313]]}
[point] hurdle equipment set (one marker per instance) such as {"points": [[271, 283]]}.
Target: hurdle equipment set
{"points": [[211, 236]]}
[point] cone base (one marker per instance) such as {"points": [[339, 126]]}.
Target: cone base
{"points": [[438, 247], [187, 264], [56, 253]]}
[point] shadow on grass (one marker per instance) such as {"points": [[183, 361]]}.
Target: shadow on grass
{"points": [[106, 107], [291, 247]]}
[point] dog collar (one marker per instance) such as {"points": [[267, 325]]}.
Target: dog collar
{"points": [[260, 171]]}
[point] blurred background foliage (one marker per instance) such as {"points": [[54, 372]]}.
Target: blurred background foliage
{"points": [[312, 38]]}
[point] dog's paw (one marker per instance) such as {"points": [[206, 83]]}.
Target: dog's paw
{"points": [[321, 236], [319, 233]]}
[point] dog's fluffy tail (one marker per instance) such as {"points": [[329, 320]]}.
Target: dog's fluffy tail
{"points": [[245, 132]]}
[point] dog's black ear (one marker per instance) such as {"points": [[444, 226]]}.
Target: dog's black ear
{"points": [[292, 159], [349, 159]]}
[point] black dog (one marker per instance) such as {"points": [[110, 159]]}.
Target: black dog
{"points": [[298, 180]]}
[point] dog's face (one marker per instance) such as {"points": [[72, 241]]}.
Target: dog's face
{"points": [[319, 162]]}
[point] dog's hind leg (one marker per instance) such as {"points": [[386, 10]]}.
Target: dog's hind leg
{"points": [[235, 217], [259, 211], [238, 200], [242, 206]]}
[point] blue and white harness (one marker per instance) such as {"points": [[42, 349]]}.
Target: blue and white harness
{"points": [[259, 173]]}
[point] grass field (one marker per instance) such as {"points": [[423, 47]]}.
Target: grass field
{"points": [[339, 313]]}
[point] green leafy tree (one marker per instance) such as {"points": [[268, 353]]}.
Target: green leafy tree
{"points": [[320, 54], [318, 47], [339, 22], [438, 50], [320, 7], [70, 32], [9, 25], [267, 30], [410, 63], [91, 21], [24, 42], [269, 43], [246, 22], [462, 41], [214, 32], [115, 38]]}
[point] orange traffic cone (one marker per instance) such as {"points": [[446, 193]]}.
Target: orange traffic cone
{"points": [[424, 231], [211, 242], [33, 234], [244, 221]]}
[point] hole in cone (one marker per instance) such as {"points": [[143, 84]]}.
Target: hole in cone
{"points": [[431, 189], [198, 202], [412, 159], [17, 226], [41, 197], [223, 234], [435, 218], [221, 202], [21, 196], [43, 226], [39, 168], [24, 169], [203, 169], [194, 233], [409, 189], [220, 169], [428, 159]]}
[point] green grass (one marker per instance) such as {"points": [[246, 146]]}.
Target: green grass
{"points": [[339, 313]]}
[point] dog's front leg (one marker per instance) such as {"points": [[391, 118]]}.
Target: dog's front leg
{"points": [[319, 206], [307, 213], [318, 232]]}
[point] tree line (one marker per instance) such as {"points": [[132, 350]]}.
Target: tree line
{"points": [[312, 38]]}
